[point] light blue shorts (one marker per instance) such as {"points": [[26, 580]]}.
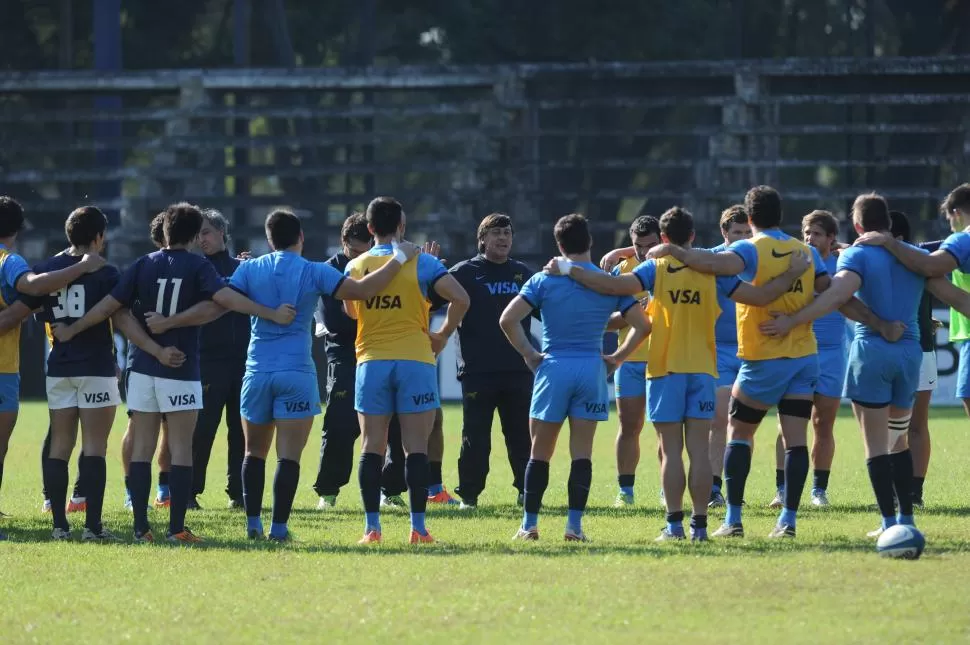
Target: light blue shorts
{"points": [[630, 381], [570, 387], [831, 371], [728, 364], [882, 374], [267, 396], [9, 392], [768, 381], [675, 397], [402, 387], [963, 371]]}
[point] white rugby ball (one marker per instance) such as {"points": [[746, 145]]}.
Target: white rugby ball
{"points": [[901, 541]]}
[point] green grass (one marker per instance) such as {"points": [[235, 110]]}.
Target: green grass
{"points": [[828, 586]]}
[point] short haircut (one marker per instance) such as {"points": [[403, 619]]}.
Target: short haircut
{"points": [[11, 216], [355, 228], [84, 225], [183, 221], [678, 225], [384, 215], [733, 215], [217, 221], [959, 197], [824, 220], [645, 225], [900, 226], [493, 220], [763, 205], [871, 212], [157, 230], [572, 234], [283, 229]]}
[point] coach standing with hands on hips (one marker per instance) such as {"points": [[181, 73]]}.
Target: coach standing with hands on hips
{"points": [[492, 374]]}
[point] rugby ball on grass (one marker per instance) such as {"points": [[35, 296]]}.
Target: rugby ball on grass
{"points": [[901, 541]]}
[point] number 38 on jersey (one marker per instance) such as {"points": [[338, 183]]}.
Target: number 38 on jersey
{"points": [[70, 302]]}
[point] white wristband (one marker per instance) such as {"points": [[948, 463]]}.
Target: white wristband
{"points": [[565, 266], [399, 256]]}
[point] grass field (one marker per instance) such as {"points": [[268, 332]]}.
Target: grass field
{"points": [[828, 586]]}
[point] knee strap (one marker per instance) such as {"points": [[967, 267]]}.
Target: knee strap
{"points": [[801, 408], [745, 413], [898, 428]]}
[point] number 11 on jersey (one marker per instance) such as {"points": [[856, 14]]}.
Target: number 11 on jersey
{"points": [[173, 302]]}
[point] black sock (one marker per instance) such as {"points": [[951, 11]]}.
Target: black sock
{"points": [[253, 481], [780, 477], [903, 480], [369, 476], [536, 482], [718, 483], [163, 478], [675, 516], [580, 479], [820, 479], [55, 481], [284, 489], [416, 469], [796, 472], [95, 476], [180, 489], [140, 486], [79, 488], [45, 452], [434, 473], [626, 481], [1, 474], [918, 487], [698, 521], [737, 465], [881, 476]]}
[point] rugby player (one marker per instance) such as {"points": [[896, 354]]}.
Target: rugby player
{"points": [[81, 379], [341, 427], [492, 374], [774, 371], [167, 282], [16, 277], [570, 370], [396, 370], [882, 378]]}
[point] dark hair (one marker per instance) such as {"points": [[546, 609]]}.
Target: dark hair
{"points": [[871, 212], [733, 215], [384, 215], [182, 223], [678, 225], [900, 225], [355, 228], [824, 219], [157, 229], [282, 229], [11, 216], [572, 234], [959, 197], [84, 225], [494, 220], [645, 225], [763, 206]]}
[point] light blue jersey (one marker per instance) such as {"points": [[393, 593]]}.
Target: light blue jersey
{"points": [[726, 327], [830, 328], [958, 245]]}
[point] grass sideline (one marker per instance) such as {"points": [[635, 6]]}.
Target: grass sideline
{"points": [[828, 586]]}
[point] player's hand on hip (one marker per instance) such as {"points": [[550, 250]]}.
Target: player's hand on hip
{"points": [[612, 364], [799, 262], [659, 251], [62, 333], [873, 238], [157, 323], [892, 331], [92, 262], [779, 325], [534, 360], [438, 342], [284, 315], [171, 357]]}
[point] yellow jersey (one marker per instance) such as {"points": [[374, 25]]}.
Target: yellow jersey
{"points": [[393, 325], [12, 266], [767, 256], [683, 312], [639, 355]]}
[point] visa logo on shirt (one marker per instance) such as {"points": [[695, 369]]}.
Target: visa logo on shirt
{"points": [[685, 296], [502, 288], [383, 302]]}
